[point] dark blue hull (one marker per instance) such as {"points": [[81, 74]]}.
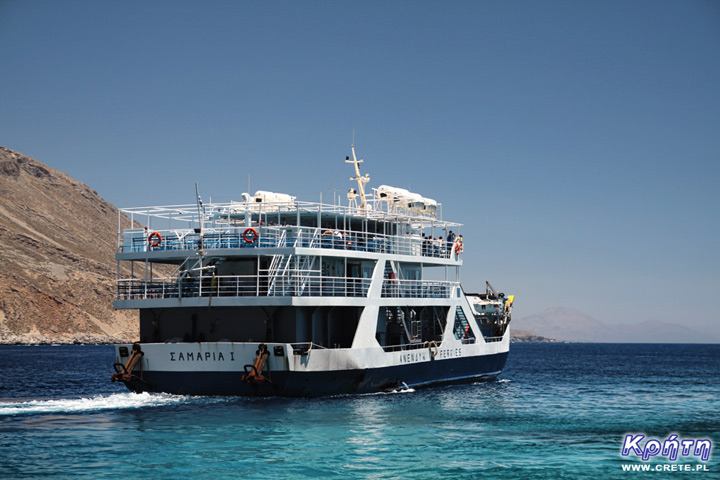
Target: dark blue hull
{"points": [[313, 384]]}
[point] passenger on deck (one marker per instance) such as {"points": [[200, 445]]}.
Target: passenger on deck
{"points": [[450, 241], [378, 244], [437, 246], [349, 238], [338, 238], [326, 237], [459, 242], [361, 239]]}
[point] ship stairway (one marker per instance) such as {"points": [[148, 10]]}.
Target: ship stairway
{"points": [[306, 272], [277, 262], [313, 240], [277, 259], [278, 272], [392, 279], [292, 271], [315, 237], [282, 241], [391, 267]]}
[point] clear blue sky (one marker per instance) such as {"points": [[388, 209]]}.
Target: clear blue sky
{"points": [[578, 141]]}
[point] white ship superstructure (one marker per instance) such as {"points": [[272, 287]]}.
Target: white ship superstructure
{"points": [[271, 295]]}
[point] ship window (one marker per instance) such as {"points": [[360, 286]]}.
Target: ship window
{"points": [[462, 328]]}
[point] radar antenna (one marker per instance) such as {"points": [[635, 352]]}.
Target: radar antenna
{"points": [[361, 180]]}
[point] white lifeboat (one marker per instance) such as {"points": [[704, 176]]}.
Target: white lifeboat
{"points": [[274, 201]]}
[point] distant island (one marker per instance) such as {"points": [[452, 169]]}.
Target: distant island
{"points": [[571, 325], [523, 336]]}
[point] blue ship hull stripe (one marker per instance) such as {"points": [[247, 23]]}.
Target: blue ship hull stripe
{"points": [[311, 384]]}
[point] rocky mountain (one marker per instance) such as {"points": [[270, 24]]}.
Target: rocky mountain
{"points": [[571, 325], [57, 246]]}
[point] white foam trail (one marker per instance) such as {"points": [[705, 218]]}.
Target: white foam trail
{"points": [[100, 402], [393, 392], [382, 392], [405, 390]]}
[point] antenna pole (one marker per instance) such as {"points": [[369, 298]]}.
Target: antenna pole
{"points": [[361, 180], [200, 220]]}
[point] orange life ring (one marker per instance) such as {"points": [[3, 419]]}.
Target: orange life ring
{"points": [[154, 239], [250, 235], [458, 247]]}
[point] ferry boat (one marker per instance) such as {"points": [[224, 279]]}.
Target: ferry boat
{"points": [[270, 295]]}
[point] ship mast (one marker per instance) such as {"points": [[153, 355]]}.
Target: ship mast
{"points": [[361, 180]]}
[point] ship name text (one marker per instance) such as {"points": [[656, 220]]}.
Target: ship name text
{"points": [[423, 355], [412, 357], [201, 357], [448, 353]]}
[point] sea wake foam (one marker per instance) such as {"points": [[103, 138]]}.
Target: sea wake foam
{"points": [[99, 402]]}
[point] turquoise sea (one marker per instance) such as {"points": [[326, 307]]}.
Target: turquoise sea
{"points": [[558, 411]]}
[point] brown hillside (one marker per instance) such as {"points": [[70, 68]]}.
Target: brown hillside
{"points": [[57, 247]]}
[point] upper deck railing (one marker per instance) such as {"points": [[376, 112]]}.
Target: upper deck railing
{"points": [[229, 213], [304, 224], [277, 237]]}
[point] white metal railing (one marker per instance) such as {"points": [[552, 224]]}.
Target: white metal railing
{"points": [[302, 285], [278, 237], [234, 212], [294, 283], [493, 339], [417, 288]]}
